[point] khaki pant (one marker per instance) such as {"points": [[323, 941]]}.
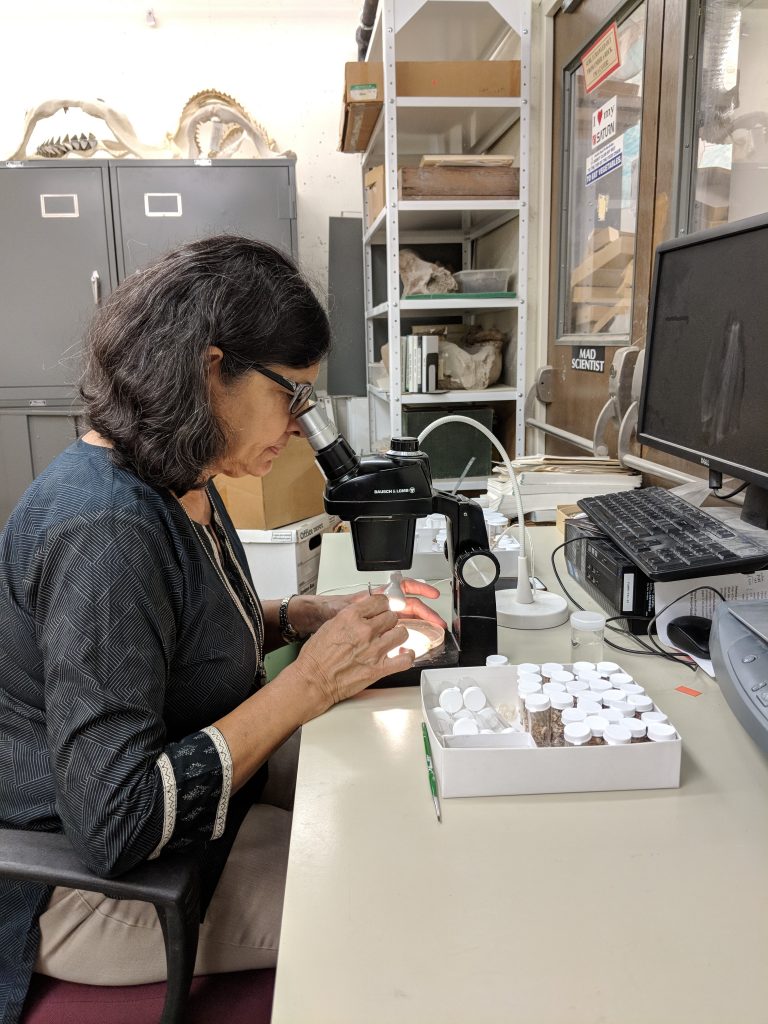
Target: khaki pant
{"points": [[90, 939]]}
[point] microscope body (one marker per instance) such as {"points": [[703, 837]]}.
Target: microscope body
{"points": [[382, 496]]}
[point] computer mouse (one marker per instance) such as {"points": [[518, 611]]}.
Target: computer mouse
{"points": [[690, 634]]}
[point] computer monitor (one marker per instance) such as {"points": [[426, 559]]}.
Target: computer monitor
{"points": [[705, 380]]}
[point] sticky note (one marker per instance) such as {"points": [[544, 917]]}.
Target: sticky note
{"points": [[689, 691]]}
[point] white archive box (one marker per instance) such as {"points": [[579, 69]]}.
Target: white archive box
{"points": [[510, 764], [286, 560]]}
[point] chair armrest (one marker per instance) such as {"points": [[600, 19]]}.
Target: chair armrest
{"points": [[48, 858], [171, 883]]}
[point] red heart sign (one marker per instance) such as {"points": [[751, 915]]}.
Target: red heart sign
{"points": [[599, 116]]}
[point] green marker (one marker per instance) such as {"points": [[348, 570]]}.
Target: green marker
{"points": [[431, 771]]}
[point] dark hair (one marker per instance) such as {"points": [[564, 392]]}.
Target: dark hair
{"points": [[146, 379]]}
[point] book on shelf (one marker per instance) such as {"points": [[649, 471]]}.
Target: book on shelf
{"points": [[418, 363]]}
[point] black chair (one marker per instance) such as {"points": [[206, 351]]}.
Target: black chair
{"points": [[170, 883]]}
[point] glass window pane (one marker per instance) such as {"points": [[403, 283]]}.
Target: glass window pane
{"points": [[602, 155], [730, 175]]}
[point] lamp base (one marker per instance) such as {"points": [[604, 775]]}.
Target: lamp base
{"points": [[546, 610]]}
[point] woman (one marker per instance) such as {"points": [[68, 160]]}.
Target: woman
{"points": [[134, 714]]}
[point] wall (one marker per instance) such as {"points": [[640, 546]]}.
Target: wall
{"points": [[281, 59]]}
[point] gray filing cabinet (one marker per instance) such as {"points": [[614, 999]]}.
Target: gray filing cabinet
{"points": [[70, 232]]}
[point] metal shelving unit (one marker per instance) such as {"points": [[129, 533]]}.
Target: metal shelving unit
{"points": [[408, 126]]}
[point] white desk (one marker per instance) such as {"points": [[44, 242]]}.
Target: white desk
{"points": [[647, 907]]}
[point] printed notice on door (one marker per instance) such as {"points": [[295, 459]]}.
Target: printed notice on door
{"points": [[604, 122], [602, 58], [605, 160]]}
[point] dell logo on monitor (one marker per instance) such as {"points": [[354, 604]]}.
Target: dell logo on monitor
{"points": [[703, 461]]}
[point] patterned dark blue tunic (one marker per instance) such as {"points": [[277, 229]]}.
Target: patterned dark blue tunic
{"points": [[120, 643]]}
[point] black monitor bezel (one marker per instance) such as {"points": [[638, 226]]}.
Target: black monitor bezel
{"points": [[700, 458]]}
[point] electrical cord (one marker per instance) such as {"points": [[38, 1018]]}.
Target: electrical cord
{"points": [[724, 497], [655, 650]]}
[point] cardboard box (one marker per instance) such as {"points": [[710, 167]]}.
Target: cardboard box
{"points": [[510, 765], [565, 512], [286, 561], [291, 491], [375, 193], [364, 89], [441, 183]]}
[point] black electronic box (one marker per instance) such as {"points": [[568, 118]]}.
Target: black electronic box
{"points": [[607, 575]]}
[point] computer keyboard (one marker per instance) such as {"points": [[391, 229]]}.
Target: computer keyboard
{"points": [[669, 539]]}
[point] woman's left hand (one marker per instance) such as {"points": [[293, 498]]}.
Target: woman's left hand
{"points": [[325, 606]]}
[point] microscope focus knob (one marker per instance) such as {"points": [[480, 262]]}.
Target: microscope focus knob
{"points": [[404, 446], [478, 570]]}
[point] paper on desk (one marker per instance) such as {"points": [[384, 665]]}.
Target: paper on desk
{"points": [[733, 586]]}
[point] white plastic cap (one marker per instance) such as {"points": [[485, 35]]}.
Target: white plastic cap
{"points": [[562, 677], [597, 724], [620, 677], [550, 688], [635, 726], [617, 735], [496, 660], [661, 731], [577, 733], [599, 685], [630, 688], [561, 701], [450, 700], [465, 727], [640, 702], [524, 688], [605, 668], [587, 620], [577, 686], [530, 677], [611, 697], [474, 698], [573, 715], [653, 716], [583, 666], [549, 667], [536, 702], [528, 666], [591, 707], [614, 717]]}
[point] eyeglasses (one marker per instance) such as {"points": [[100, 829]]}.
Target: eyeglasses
{"points": [[302, 392]]}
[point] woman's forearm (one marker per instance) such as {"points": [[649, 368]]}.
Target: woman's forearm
{"points": [[257, 727], [306, 613]]}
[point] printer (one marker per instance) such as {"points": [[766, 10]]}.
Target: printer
{"points": [[738, 646]]}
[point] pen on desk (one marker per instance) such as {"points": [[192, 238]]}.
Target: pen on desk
{"points": [[431, 771]]}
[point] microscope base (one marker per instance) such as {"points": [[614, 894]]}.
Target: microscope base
{"points": [[447, 656]]}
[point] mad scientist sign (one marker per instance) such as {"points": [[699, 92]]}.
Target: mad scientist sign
{"points": [[588, 358], [604, 122]]}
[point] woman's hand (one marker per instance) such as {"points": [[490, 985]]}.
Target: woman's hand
{"points": [[350, 651], [308, 613]]}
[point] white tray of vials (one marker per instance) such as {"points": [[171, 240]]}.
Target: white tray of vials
{"points": [[510, 763]]}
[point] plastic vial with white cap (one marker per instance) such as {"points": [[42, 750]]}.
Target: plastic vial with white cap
{"points": [[582, 666], [450, 700], [597, 726], [641, 702], [576, 734], [528, 666], [617, 678], [523, 690], [474, 698], [637, 729], [530, 677], [661, 732], [591, 707], [442, 720], [617, 735], [606, 668], [560, 702], [587, 631], [576, 686], [598, 684], [549, 667], [496, 660], [550, 688], [465, 727], [537, 712], [614, 717], [653, 716], [630, 688], [563, 677]]}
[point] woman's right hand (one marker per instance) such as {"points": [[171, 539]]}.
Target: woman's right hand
{"points": [[349, 652]]}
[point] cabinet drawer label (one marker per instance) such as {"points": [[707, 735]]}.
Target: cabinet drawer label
{"points": [[59, 205], [162, 204]]}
